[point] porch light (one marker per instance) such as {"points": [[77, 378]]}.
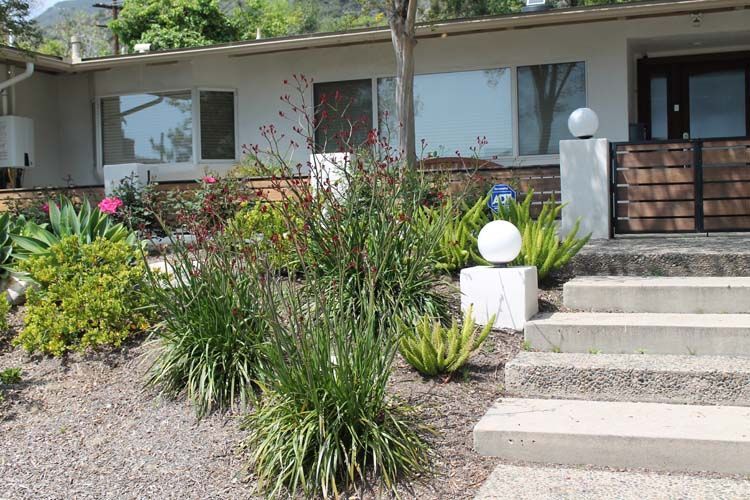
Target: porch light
{"points": [[583, 123], [499, 242]]}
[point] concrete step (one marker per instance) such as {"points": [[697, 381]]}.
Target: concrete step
{"points": [[624, 333], [653, 436], [693, 295], [535, 482], [711, 380]]}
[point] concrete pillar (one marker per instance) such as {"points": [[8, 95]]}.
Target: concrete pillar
{"points": [[585, 183]]}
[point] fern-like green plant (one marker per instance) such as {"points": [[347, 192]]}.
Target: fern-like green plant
{"points": [[88, 224], [433, 349], [457, 247], [542, 246]]}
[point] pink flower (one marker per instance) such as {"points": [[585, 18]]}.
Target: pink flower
{"points": [[45, 208], [209, 179], [110, 205]]}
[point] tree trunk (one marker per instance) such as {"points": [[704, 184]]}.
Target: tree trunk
{"points": [[401, 21]]}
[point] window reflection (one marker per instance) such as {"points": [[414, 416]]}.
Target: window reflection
{"points": [[453, 110], [147, 128], [547, 94]]}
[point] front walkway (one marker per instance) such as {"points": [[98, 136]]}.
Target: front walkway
{"points": [[534, 482]]}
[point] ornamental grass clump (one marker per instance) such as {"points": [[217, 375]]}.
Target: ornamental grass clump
{"points": [[89, 295], [206, 344], [325, 423]]}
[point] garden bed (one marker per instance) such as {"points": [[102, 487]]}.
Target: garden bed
{"points": [[84, 426]]}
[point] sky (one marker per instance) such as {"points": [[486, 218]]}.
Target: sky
{"points": [[39, 6]]}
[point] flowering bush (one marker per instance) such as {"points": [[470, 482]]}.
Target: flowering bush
{"points": [[90, 295], [264, 226], [87, 224], [110, 205], [326, 422]]}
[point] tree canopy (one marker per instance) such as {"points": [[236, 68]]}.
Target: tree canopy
{"points": [[167, 24], [16, 23]]}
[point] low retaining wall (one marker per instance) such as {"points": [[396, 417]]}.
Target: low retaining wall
{"points": [[456, 172]]}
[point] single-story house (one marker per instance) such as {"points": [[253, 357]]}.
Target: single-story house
{"points": [[652, 70]]}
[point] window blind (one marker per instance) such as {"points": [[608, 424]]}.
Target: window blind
{"points": [[147, 128], [217, 125], [453, 110]]}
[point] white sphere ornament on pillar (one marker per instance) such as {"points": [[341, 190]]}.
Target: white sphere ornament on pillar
{"points": [[583, 123], [499, 242]]}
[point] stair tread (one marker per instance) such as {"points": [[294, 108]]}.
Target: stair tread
{"points": [[637, 362], [659, 421], [685, 320], [661, 281]]}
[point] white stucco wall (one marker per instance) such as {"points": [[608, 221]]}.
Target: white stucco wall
{"points": [[609, 50]]}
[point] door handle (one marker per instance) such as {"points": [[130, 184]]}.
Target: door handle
{"points": [[686, 136]]}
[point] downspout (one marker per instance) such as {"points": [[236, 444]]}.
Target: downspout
{"points": [[18, 78]]}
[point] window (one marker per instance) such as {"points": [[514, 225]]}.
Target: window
{"points": [[547, 94], [147, 128], [217, 125], [343, 114], [453, 110]]}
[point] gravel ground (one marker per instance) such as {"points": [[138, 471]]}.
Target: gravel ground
{"points": [[83, 427], [452, 409]]}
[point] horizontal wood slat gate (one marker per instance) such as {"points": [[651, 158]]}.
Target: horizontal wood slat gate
{"points": [[681, 186]]}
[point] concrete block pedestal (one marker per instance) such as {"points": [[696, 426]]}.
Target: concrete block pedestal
{"points": [[510, 293]]}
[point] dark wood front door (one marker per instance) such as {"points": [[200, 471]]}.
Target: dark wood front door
{"points": [[695, 97]]}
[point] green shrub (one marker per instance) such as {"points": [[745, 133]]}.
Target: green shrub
{"points": [[207, 342], [4, 311], [87, 224], [90, 295], [325, 423], [433, 349], [457, 244], [542, 246], [264, 226], [10, 376], [7, 257], [369, 239]]}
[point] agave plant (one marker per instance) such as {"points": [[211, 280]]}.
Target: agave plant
{"points": [[6, 245], [542, 246], [433, 349], [88, 224]]}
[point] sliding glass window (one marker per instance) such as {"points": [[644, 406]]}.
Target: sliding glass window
{"points": [[547, 94], [454, 112], [147, 128]]}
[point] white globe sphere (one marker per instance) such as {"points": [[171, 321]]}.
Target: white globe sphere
{"points": [[583, 123], [499, 242]]}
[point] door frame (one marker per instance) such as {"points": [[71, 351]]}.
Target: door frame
{"points": [[677, 69]]}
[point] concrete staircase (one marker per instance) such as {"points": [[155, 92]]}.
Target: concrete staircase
{"points": [[654, 374]]}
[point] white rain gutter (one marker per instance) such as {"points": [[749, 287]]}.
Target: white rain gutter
{"points": [[18, 78]]}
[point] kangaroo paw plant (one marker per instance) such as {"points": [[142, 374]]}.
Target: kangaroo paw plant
{"points": [[434, 349]]}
